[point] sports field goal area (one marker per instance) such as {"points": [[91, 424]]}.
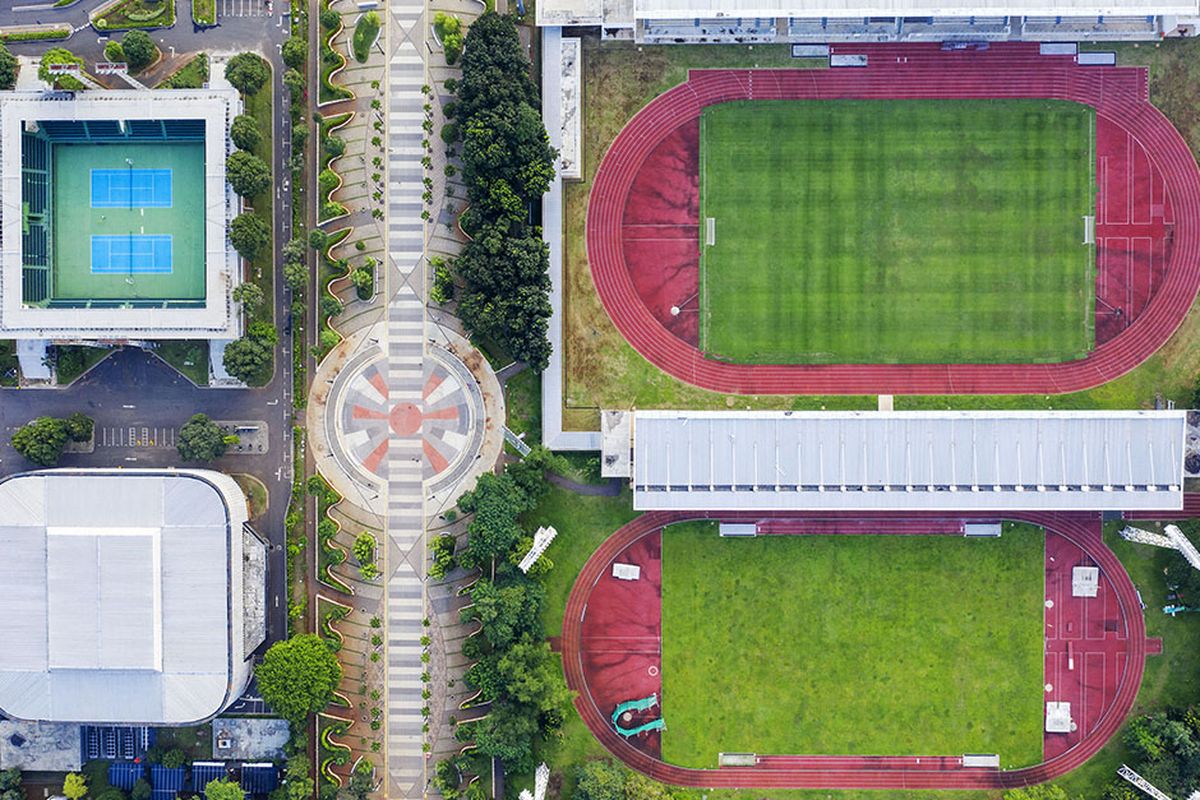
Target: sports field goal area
{"points": [[897, 231]]}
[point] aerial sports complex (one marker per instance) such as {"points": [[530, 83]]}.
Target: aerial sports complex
{"points": [[878, 599], [950, 246], [115, 215]]}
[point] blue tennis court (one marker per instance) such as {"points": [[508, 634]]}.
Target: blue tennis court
{"points": [[143, 254], [131, 188]]}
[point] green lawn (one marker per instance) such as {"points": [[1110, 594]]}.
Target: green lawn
{"points": [[884, 645], [896, 231]]}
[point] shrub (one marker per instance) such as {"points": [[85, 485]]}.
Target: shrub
{"points": [[113, 51], [449, 30], [79, 427], [442, 553], [330, 19], [365, 32]]}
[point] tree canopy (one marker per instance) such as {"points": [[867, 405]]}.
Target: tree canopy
{"points": [[200, 439], [508, 164], [41, 440], [249, 235], [249, 359], [9, 67], [10, 784], [223, 789], [139, 49], [297, 676], [248, 174], [74, 786], [244, 132], [247, 72]]}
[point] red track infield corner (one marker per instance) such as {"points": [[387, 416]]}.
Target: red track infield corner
{"points": [[1101, 706], [1016, 70]]}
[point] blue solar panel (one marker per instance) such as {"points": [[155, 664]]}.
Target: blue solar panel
{"points": [[203, 772], [259, 779], [167, 780], [124, 774]]}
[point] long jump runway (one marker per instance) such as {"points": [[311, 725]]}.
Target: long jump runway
{"points": [[643, 218], [1095, 653]]}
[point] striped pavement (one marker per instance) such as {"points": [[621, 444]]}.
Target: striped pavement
{"points": [[405, 371]]}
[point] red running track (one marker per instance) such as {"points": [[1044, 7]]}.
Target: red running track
{"points": [[663, 128], [1110, 647]]}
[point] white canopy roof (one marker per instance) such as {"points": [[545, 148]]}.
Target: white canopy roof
{"points": [[119, 596], [861, 460]]}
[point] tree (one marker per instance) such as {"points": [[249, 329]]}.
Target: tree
{"points": [[41, 440], [56, 55], [249, 359], [139, 49], [10, 784], [248, 174], [530, 675], [247, 72], [600, 780], [249, 235], [295, 53], [79, 427], [244, 132], [9, 68], [113, 51], [250, 295], [497, 501], [74, 786], [293, 80], [295, 275], [223, 789], [318, 239], [495, 68], [297, 676], [506, 612], [141, 790], [200, 439], [508, 143], [330, 19], [507, 734]]}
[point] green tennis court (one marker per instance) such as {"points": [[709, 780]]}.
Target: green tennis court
{"points": [[896, 231], [128, 242]]}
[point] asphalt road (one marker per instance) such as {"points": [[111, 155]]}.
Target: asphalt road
{"points": [[134, 395]]}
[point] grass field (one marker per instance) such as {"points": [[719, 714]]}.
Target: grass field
{"points": [[865, 645], [75, 222], [896, 231]]}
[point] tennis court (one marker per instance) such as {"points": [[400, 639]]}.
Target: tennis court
{"points": [[128, 222], [140, 254], [131, 188]]}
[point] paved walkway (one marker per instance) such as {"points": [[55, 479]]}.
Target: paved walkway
{"points": [[405, 349]]}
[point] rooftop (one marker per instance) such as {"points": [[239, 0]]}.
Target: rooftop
{"points": [[955, 460], [123, 602]]}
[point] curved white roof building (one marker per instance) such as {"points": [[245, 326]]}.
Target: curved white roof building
{"points": [[131, 596]]}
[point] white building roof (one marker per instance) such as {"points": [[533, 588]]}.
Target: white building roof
{"points": [[123, 596], [864, 460]]}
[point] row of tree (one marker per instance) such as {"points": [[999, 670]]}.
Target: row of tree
{"points": [[508, 164], [43, 440], [515, 670]]}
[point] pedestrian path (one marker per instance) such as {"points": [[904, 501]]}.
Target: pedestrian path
{"points": [[405, 347]]}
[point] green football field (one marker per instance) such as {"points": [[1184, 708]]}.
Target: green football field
{"points": [[896, 231], [858, 645], [75, 221]]}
